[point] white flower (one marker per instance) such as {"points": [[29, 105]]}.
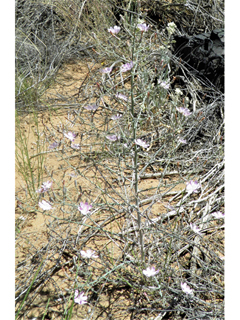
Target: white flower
{"points": [[47, 185], [178, 91], [186, 289], [121, 96], [164, 84], [218, 215], [88, 254], [171, 27], [192, 186], [149, 272], [45, 205], [80, 298]]}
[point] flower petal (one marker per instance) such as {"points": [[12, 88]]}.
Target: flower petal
{"points": [[114, 30], [142, 27], [126, 67], [45, 205]]}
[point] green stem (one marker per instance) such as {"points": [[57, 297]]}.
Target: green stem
{"points": [[45, 312], [29, 289]]}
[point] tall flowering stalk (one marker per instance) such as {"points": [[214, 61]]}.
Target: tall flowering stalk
{"points": [[135, 151], [142, 28]]}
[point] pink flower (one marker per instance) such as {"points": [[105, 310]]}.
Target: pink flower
{"points": [[113, 137], [141, 143], [84, 208], [182, 141], [54, 145], [149, 272], [184, 111], [70, 135], [80, 298], [142, 27], [192, 186], [91, 107], [186, 289], [106, 70], [195, 229], [45, 205], [114, 30], [121, 96], [116, 117], [126, 67], [88, 254], [75, 146], [73, 175], [44, 187]]}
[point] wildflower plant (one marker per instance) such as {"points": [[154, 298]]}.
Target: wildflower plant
{"points": [[128, 203]]}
